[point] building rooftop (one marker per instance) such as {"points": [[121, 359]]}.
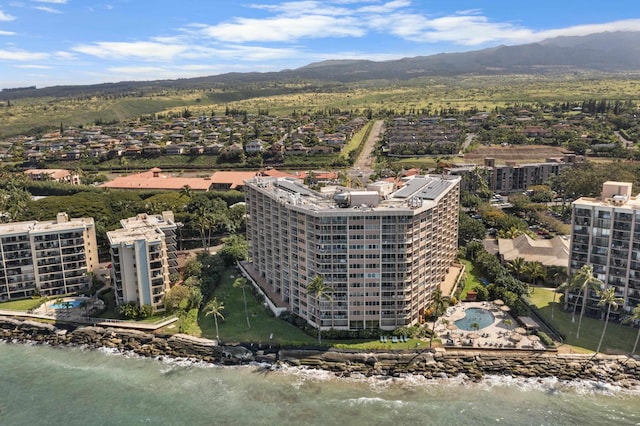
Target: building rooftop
{"points": [[155, 179], [131, 235], [45, 226], [144, 220], [417, 192], [551, 252], [614, 194], [52, 173]]}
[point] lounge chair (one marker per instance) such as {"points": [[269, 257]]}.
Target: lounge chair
{"points": [[394, 339]]}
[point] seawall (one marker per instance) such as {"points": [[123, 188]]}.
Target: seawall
{"points": [[620, 370]]}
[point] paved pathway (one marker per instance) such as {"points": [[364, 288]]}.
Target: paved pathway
{"points": [[365, 160]]}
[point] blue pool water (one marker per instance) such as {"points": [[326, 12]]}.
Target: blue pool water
{"points": [[70, 303], [480, 316]]}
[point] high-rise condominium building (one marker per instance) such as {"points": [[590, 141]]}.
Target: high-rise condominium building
{"points": [[606, 235], [46, 257], [382, 252], [143, 256]]}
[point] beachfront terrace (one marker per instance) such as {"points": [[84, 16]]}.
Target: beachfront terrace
{"points": [[484, 325]]}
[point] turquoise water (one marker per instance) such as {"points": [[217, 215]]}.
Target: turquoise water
{"points": [[71, 304], [57, 386], [480, 316]]}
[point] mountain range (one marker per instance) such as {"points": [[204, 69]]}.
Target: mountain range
{"points": [[608, 52]]}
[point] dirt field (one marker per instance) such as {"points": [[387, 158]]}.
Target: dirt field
{"points": [[519, 153]]}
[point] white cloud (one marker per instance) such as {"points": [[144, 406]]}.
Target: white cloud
{"points": [[7, 33], [6, 17], [62, 55], [21, 55], [580, 30], [145, 50], [285, 29], [386, 7], [135, 70], [47, 9], [52, 1], [37, 67]]}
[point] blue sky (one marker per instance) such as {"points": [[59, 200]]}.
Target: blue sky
{"points": [[52, 42]]}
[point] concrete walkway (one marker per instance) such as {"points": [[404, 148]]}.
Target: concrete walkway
{"points": [[79, 319]]}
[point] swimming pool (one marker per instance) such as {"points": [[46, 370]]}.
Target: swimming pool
{"points": [[67, 304], [480, 316]]}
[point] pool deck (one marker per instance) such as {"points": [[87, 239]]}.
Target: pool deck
{"points": [[497, 335]]}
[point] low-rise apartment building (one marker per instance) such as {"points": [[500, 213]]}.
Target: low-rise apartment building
{"points": [[46, 257], [143, 256], [382, 252], [511, 176]]}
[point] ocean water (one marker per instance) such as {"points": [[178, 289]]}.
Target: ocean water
{"points": [[42, 385]]}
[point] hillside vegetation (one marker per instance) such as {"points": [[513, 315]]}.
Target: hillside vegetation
{"points": [[431, 95]]}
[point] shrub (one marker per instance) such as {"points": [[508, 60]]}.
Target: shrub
{"points": [[545, 339]]}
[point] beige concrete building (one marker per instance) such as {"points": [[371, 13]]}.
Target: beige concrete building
{"points": [[606, 234], [143, 256], [511, 176], [382, 252], [47, 257]]}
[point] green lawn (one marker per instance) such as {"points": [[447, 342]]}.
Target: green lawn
{"points": [[619, 338], [472, 278], [234, 326], [356, 140], [21, 305]]}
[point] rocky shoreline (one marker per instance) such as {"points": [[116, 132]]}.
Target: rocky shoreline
{"points": [[474, 364]]}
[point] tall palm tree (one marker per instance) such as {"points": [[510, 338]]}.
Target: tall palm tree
{"points": [[583, 280], [319, 290], [215, 308], [608, 297], [439, 304], [517, 266], [559, 278], [535, 270], [243, 284], [635, 316], [186, 192]]}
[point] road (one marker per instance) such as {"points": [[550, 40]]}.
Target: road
{"points": [[467, 142], [364, 162]]}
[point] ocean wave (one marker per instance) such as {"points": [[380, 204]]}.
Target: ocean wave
{"points": [[376, 401], [550, 385]]}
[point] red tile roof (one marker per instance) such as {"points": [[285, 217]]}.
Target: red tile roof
{"points": [[154, 179]]}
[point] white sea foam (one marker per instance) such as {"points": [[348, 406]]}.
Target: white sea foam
{"points": [[377, 401], [487, 383]]}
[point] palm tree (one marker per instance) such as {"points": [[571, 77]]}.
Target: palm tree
{"points": [[535, 270], [517, 266], [186, 192], [582, 280], [205, 221], [559, 277], [320, 290], [242, 283], [608, 297], [508, 322], [635, 316], [215, 308], [439, 304]]}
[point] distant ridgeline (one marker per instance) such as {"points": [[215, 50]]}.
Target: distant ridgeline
{"points": [[18, 89]]}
